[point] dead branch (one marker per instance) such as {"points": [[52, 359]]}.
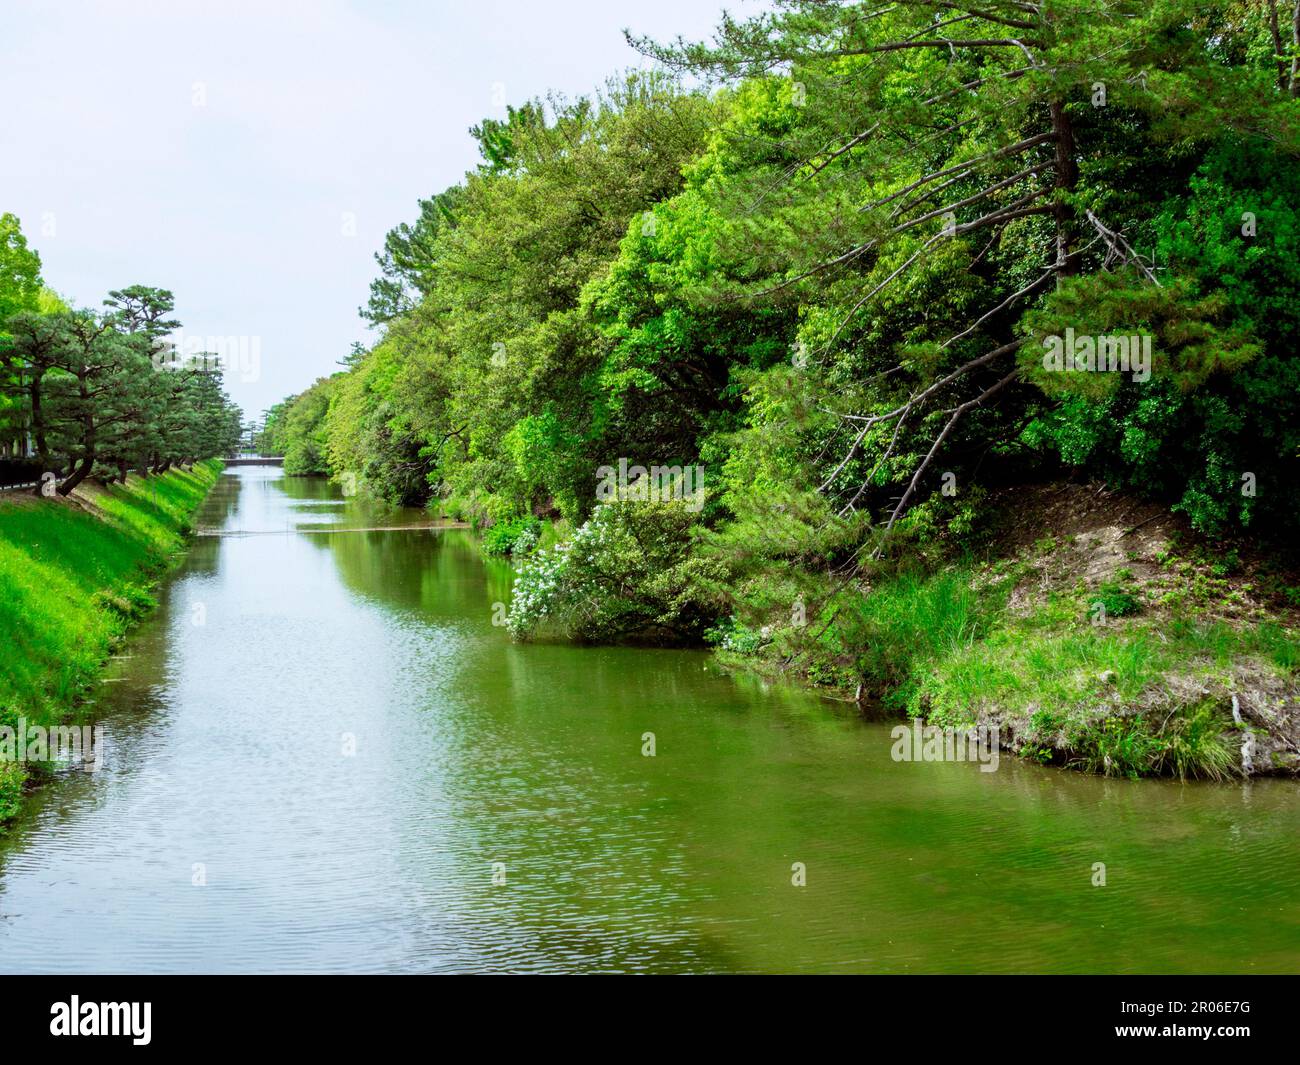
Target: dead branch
{"points": [[956, 415], [1121, 249]]}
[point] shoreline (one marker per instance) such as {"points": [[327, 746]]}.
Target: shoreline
{"points": [[76, 578], [1094, 631], [1193, 675]]}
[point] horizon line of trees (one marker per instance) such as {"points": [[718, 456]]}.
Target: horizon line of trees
{"points": [[821, 254], [86, 393]]}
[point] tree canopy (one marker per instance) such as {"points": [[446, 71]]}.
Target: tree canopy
{"points": [[829, 254], [100, 393]]}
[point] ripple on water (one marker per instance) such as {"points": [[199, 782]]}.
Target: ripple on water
{"points": [[347, 767]]}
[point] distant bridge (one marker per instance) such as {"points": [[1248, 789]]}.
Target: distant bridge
{"points": [[255, 460]]}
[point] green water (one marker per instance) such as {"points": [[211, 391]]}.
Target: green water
{"points": [[499, 813]]}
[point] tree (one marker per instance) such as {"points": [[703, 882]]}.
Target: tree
{"points": [[303, 434], [99, 403], [409, 259], [20, 270], [20, 291], [92, 391], [142, 309], [28, 353], [141, 313], [928, 170]]}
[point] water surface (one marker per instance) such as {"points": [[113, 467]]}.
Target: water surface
{"points": [[322, 756]]}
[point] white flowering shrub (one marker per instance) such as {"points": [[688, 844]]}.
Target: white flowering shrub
{"points": [[527, 539], [627, 574], [732, 634]]}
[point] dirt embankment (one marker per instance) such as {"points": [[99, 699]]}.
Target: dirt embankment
{"points": [[1107, 548]]}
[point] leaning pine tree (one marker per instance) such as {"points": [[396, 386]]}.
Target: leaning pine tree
{"points": [[938, 185]]}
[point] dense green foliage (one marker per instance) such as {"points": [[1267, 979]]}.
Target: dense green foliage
{"points": [[20, 270], [71, 582], [626, 574], [831, 275], [20, 290], [101, 393], [296, 430]]}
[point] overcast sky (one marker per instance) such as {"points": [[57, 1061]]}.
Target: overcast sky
{"points": [[250, 155]]}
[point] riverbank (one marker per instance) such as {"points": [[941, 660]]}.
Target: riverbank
{"points": [[1092, 630], [1089, 629], [349, 705], [75, 575]]}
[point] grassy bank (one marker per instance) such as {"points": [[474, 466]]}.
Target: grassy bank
{"points": [[1091, 629], [1093, 632], [74, 576]]}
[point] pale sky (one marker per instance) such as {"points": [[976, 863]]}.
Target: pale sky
{"points": [[250, 155]]}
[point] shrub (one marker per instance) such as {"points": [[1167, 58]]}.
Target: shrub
{"points": [[628, 573], [11, 789], [517, 536], [1117, 602], [732, 634]]}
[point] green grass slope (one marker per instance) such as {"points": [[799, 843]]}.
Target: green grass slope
{"points": [[1093, 631], [74, 576]]}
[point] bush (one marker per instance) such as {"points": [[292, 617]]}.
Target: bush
{"points": [[515, 537], [732, 634], [11, 789], [1117, 602], [629, 573]]}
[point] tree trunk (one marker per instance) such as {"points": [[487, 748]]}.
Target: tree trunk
{"points": [[38, 427], [1067, 177], [89, 443], [79, 474], [1276, 30], [1295, 43]]}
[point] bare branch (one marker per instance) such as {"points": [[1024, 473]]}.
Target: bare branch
{"points": [[1122, 248], [1011, 149], [956, 415]]}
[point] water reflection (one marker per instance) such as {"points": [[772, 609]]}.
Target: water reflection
{"points": [[364, 774]]}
